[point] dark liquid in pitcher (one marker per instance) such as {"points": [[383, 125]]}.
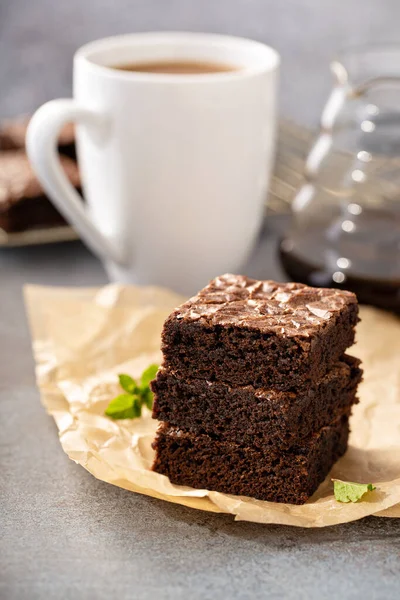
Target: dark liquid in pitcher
{"points": [[365, 261], [378, 292], [365, 257]]}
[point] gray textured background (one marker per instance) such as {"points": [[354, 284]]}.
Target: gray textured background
{"points": [[65, 535], [38, 38]]}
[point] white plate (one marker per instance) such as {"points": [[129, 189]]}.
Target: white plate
{"points": [[32, 237]]}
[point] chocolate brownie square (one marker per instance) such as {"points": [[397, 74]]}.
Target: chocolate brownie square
{"points": [[200, 461], [245, 332], [255, 416], [23, 203]]}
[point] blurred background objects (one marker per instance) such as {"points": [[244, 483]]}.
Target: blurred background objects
{"points": [[38, 39]]}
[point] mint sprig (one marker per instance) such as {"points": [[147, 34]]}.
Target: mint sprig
{"points": [[346, 491], [129, 405]]}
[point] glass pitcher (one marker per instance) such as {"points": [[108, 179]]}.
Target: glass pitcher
{"points": [[345, 228]]}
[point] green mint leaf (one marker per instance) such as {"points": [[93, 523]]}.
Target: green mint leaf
{"points": [[122, 407], [147, 398], [346, 491], [148, 375], [129, 405], [127, 383], [136, 407]]}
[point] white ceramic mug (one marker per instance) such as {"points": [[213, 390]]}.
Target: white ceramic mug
{"points": [[174, 167]]}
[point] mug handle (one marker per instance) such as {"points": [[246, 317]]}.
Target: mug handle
{"points": [[41, 146]]}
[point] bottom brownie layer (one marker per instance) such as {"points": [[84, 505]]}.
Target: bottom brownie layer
{"points": [[200, 461]]}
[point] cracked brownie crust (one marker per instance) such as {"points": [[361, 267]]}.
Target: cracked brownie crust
{"points": [[261, 333]]}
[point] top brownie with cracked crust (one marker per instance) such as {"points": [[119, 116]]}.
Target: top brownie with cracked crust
{"points": [[287, 309], [243, 331]]}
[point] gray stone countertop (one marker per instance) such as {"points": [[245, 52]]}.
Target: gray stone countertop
{"points": [[66, 535]]}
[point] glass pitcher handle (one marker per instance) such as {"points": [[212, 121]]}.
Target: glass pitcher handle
{"points": [[323, 142]]}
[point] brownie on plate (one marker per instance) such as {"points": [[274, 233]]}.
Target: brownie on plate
{"points": [[199, 461], [23, 203], [261, 333], [255, 416], [13, 133]]}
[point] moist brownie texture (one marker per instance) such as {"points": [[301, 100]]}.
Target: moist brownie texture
{"points": [[13, 134], [261, 333], [255, 391], [199, 461], [23, 203], [255, 416]]}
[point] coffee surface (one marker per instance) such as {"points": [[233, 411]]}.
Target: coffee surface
{"points": [[176, 67]]}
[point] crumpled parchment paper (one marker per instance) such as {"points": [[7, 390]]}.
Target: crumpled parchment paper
{"points": [[82, 338]]}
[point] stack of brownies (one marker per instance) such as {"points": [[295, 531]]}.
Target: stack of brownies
{"points": [[255, 391], [23, 203]]}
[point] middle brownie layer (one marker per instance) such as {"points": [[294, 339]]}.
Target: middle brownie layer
{"points": [[256, 416]]}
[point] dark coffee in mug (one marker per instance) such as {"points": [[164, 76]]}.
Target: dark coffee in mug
{"points": [[177, 67]]}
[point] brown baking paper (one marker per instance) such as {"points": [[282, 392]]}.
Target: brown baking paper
{"points": [[82, 338]]}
